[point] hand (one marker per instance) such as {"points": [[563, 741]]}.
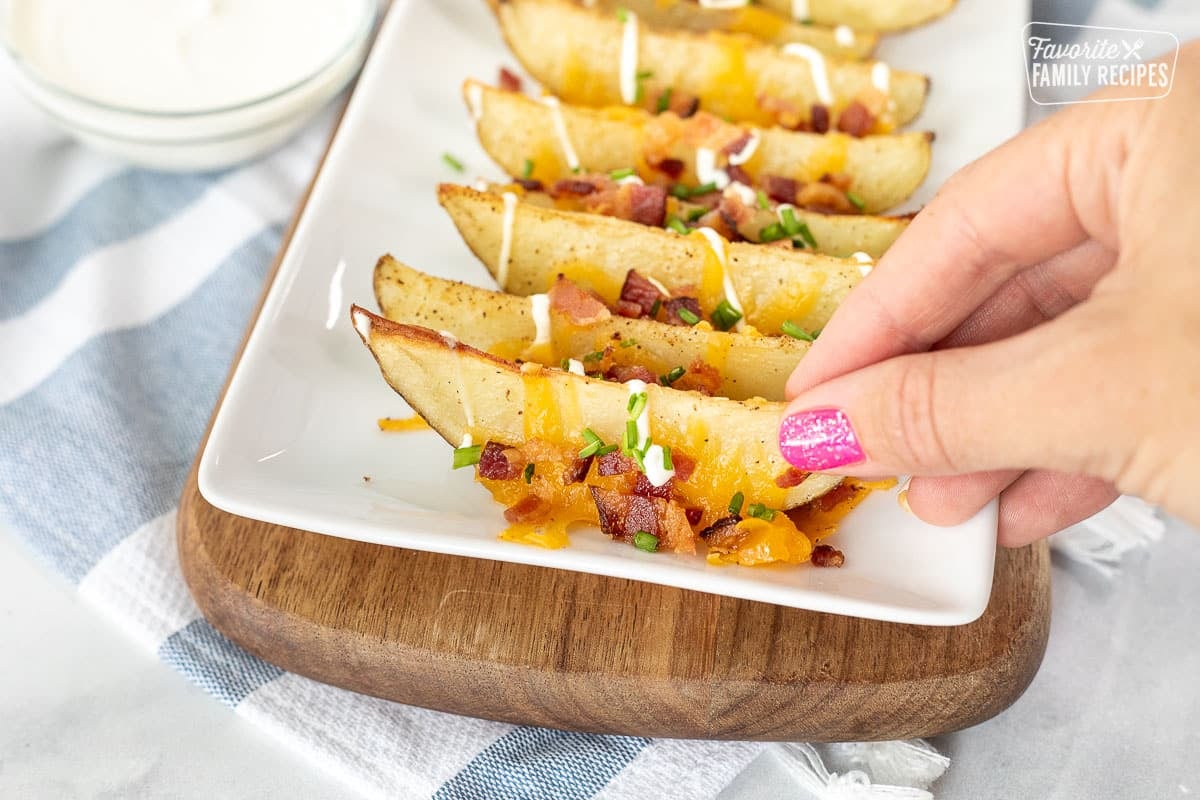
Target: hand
{"points": [[1034, 334]]}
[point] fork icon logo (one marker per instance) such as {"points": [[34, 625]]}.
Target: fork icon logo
{"points": [[1133, 50]]}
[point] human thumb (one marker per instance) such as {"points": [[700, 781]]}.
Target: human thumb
{"points": [[1044, 399]]}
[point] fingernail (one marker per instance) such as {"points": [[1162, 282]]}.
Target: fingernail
{"points": [[902, 496], [819, 439]]}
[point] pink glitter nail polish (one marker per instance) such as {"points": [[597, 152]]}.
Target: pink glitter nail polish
{"points": [[819, 439]]}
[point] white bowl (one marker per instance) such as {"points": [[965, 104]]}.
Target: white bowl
{"points": [[197, 140]]}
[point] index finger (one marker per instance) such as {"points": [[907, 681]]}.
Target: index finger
{"points": [[1045, 190]]}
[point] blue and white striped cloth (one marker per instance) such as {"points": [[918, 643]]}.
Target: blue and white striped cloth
{"points": [[123, 297]]}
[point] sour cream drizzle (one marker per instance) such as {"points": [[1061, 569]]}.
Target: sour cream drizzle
{"points": [[800, 9], [539, 307], [743, 192], [575, 366], [865, 262], [724, 3], [720, 249], [506, 237], [881, 76], [654, 460], [560, 128], [816, 63], [707, 170], [629, 59], [747, 151], [475, 100], [843, 35]]}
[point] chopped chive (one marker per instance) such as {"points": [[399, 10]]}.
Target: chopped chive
{"points": [[645, 541], [608, 448], [453, 162], [676, 224], [760, 511], [855, 200], [596, 355], [796, 332], [791, 225], [696, 213], [590, 436], [806, 234], [668, 463], [467, 456], [529, 472], [642, 74], [618, 174], [806, 22], [761, 197], [771, 233], [639, 94], [631, 437], [654, 308], [672, 376], [680, 191], [664, 100], [735, 504], [565, 364], [528, 169], [703, 188], [687, 316], [628, 342], [590, 450], [725, 316], [576, 170], [637, 404], [622, 13]]}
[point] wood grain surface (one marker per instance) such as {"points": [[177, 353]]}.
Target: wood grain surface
{"points": [[546, 647]]}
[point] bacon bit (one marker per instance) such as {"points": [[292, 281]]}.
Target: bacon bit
{"points": [[728, 228], [840, 180], [675, 304], [578, 470], [719, 526], [694, 515], [683, 104], [637, 289], [645, 488], [648, 204], [834, 497], [573, 186], [780, 189], [671, 167], [627, 308], [738, 175], [791, 477], [825, 198], [701, 377], [623, 515], [819, 118], [684, 466], [627, 372], [674, 531], [579, 306], [617, 464], [499, 462], [856, 119], [529, 184], [530, 508], [603, 365], [737, 145], [716, 220], [509, 81], [737, 212], [825, 556]]}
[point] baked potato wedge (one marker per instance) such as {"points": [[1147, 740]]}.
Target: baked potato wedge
{"points": [[459, 390], [576, 53], [514, 129], [503, 325], [765, 25], [865, 15], [775, 285]]}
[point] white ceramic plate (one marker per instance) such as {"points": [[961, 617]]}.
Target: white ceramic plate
{"points": [[296, 433]]}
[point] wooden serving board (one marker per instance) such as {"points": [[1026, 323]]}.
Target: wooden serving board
{"points": [[567, 650]]}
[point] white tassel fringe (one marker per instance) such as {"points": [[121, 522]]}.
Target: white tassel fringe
{"points": [[911, 761], [1101, 541]]}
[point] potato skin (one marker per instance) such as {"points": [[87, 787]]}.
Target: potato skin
{"points": [[884, 170], [442, 379], [867, 15], [774, 284], [750, 366], [576, 52]]}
